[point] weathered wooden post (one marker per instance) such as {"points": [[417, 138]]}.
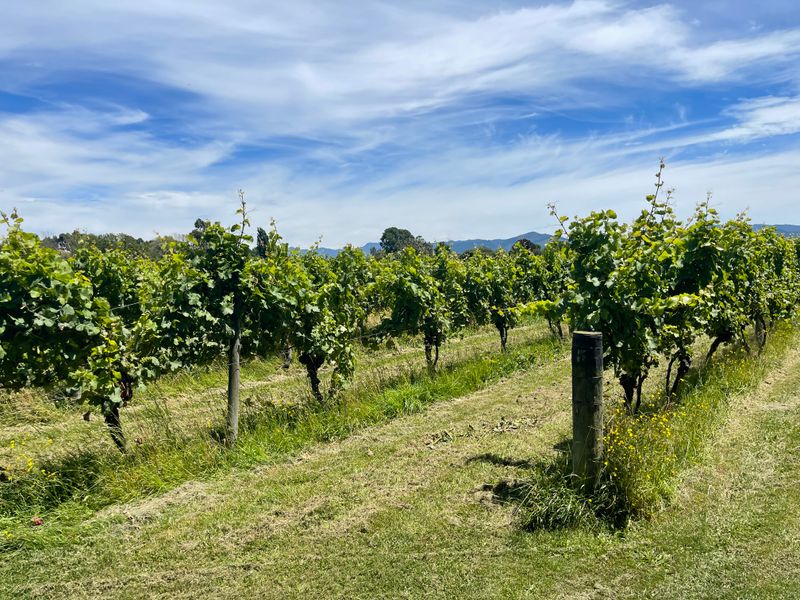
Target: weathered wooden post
{"points": [[587, 406], [234, 350]]}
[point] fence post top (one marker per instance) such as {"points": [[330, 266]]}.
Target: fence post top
{"points": [[590, 334]]}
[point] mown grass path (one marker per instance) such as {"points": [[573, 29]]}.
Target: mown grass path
{"points": [[399, 511], [190, 401]]}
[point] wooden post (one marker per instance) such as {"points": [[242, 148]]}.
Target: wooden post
{"points": [[587, 406], [232, 424]]}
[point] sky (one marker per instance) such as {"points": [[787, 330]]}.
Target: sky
{"points": [[338, 119]]}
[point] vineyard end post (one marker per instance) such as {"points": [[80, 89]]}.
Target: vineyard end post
{"points": [[587, 406]]}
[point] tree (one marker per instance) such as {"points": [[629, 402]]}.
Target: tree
{"points": [[528, 245], [355, 281], [270, 290], [220, 255], [477, 250], [492, 291], [394, 240], [652, 287], [71, 242], [619, 283]]}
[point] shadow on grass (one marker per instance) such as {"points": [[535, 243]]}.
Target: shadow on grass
{"points": [[547, 498], [502, 461]]}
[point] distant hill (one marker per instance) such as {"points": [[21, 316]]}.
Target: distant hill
{"points": [[460, 246], [787, 230]]}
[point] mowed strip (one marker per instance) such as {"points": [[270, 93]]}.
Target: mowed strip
{"points": [[277, 517], [740, 537], [189, 409], [400, 511]]}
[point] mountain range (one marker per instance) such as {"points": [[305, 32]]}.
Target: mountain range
{"points": [[460, 246], [787, 230]]}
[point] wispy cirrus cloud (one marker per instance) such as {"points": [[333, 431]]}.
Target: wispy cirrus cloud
{"points": [[342, 119], [764, 117]]}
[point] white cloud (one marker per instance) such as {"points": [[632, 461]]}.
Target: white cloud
{"points": [[763, 117], [380, 95], [727, 58], [44, 154], [450, 198], [307, 66]]}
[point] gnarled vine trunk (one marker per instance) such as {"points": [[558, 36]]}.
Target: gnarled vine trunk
{"points": [[639, 393], [555, 328], [111, 412], [287, 356], [111, 416], [760, 327], [503, 330], [431, 352], [428, 354], [723, 338], [684, 365], [313, 365], [632, 386]]}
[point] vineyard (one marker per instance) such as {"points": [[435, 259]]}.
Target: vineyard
{"points": [[673, 298], [96, 325]]}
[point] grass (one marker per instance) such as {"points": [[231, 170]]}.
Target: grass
{"points": [[78, 482], [646, 452], [194, 400], [407, 508]]}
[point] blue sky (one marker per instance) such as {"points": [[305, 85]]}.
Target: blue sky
{"points": [[452, 119]]}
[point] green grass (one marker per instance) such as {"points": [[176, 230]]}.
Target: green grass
{"points": [[408, 508], [644, 453], [85, 480]]}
